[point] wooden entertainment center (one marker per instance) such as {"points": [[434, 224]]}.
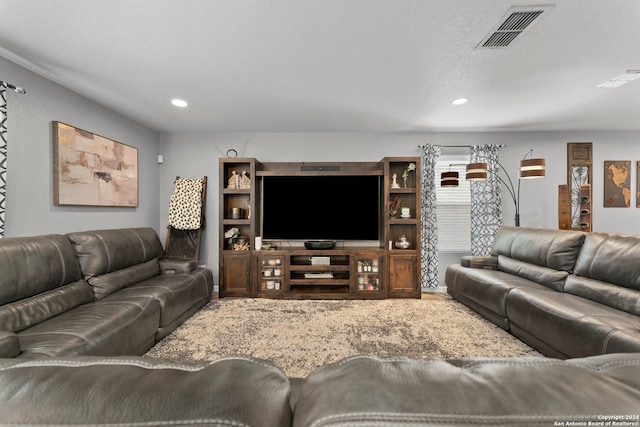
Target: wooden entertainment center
{"points": [[290, 270]]}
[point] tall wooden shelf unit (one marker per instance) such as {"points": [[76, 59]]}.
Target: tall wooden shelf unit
{"points": [[364, 272]]}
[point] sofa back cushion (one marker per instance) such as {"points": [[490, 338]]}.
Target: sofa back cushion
{"points": [[612, 258], [27, 312], [32, 265], [556, 249], [109, 283], [549, 277], [104, 251], [621, 298]]}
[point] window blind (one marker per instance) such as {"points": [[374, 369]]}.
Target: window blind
{"points": [[454, 210]]}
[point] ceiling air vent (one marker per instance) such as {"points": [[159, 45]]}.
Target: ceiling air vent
{"points": [[515, 22]]}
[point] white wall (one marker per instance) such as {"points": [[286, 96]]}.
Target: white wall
{"points": [[29, 204], [193, 155]]}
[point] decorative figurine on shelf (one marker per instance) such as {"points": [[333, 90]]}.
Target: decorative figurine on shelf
{"points": [[405, 174], [245, 182], [394, 181], [403, 243], [234, 181], [394, 206]]}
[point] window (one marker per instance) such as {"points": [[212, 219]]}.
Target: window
{"points": [[454, 207]]}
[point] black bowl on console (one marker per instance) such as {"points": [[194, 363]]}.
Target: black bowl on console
{"points": [[320, 244]]}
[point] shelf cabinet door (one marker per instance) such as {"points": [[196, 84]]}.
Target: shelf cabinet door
{"points": [[403, 276], [367, 272], [236, 277], [271, 274]]}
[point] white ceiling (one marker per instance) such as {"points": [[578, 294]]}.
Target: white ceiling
{"points": [[334, 65]]}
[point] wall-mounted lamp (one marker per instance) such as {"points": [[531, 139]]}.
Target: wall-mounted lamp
{"points": [[529, 168]]}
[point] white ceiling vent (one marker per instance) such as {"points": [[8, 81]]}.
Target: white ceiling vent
{"points": [[514, 23]]}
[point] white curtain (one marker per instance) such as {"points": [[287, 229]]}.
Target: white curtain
{"points": [[429, 220], [486, 200]]}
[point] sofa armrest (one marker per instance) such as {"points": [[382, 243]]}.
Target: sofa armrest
{"points": [[177, 265], [9, 345], [483, 262]]}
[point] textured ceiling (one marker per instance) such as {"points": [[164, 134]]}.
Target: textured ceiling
{"points": [[334, 65]]}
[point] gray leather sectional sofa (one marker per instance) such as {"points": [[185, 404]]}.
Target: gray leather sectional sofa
{"points": [[566, 293], [93, 293], [359, 391], [69, 301]]}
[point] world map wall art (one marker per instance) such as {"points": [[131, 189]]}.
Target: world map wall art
{"points": [[617, 183], [91, 170]]}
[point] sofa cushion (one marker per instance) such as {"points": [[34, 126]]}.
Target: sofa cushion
{"points": [[487, 288], [103, 251], [32, 265], [28, 312], [612, 258], [138, 391], [108, 283], [179, 297], [570, 325], [97, 328], [549, 277], [556, 249], [9, 344], [615, 296], [367, 390], [174, 265]]}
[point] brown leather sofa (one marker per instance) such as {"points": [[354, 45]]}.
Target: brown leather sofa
{"points": [[359, 391], [93, 293], [566, 293]]}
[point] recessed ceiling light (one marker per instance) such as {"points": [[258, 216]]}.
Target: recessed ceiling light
{"points": [[179, 102], [460, 101]]}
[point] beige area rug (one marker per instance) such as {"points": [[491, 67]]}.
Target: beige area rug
{"points": [[300, 335]]}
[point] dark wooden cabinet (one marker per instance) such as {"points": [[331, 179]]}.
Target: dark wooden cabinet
{"points": [[235, 274], [403, 276], [382, 271]]}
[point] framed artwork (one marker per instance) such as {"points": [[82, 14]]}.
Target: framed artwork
{"points": [[91, 170], [617, 183]]}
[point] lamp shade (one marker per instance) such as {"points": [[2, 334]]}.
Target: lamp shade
{"points": [[449, 179], [532, 168], [476, 171]]}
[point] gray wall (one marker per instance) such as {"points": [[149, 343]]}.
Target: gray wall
{"points": [[30, 209], [29, 205], [192, 155]]}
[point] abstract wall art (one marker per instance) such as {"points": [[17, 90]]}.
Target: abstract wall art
{"points": [[91, 170]]}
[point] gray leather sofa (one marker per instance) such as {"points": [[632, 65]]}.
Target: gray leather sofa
{"points": [[359, 391], [566, 293], [93, 293]]}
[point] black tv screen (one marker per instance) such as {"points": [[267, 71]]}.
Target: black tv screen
{"points": [[320, 207]]}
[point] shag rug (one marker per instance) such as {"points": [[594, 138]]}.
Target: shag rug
{"points": [[300, 335]]}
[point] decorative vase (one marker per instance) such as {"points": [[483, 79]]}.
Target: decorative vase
{"points": [[403, 243]]}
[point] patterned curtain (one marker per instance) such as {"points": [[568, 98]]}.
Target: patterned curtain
{"points": [[3, 153], [486, 200], [429, 220]]}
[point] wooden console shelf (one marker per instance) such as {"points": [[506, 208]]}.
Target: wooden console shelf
{"points": [[362, 272]]}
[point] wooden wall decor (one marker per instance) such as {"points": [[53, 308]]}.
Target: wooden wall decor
{"points": [[564, 207], [585, 207], [579, 172]]}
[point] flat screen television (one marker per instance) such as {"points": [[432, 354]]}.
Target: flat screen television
{"points": [[321, 207]]}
